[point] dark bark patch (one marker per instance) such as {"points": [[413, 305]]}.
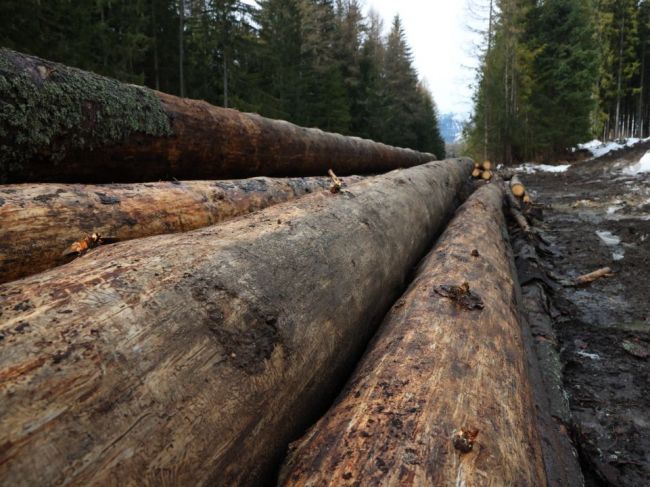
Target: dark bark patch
{"points": [[23, 327], [461, 295], [247, 335], [105, 199], [23, 306], [44, 198]]}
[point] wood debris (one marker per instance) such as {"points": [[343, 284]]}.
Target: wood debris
{"points": [[337, 184], [462, 295], [87, 243], [593, 276], [464, 439]]}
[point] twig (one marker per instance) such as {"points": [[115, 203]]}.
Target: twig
{"points": [[592, 276], [337, 184]]}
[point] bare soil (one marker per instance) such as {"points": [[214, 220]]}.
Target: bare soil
{"points": [[603, 328]]}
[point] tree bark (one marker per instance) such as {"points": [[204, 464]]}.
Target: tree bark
{"points": [[194, 358], [40, 221], [67, 125], [447, 360]]}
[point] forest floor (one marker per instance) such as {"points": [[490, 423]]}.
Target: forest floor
{"points": [[595, 216]]}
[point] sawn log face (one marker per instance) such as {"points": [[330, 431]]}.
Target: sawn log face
{"points": [[438, 365], [38, 222], [194, 358]]}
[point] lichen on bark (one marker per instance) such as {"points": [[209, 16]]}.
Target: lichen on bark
{"points": [[48, 110]]}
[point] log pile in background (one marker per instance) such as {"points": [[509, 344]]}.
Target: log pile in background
{"points": [[102, 131], [442, 396], [483, 171], [194, 358], [518, 189], [41, 221]]}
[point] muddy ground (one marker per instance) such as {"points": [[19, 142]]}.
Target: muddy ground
{"points": [[595, 216]]}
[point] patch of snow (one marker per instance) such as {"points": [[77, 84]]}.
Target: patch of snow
{"points": [[599, 149], [530, 168], [608, 238], [592, 356], [640, 167], [613, 209], [612, 240], [590, 145], [606, 148]]}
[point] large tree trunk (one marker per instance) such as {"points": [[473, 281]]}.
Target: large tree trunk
{"points": [[442, 396], [194, 358], [62, 124], [38, 222]]}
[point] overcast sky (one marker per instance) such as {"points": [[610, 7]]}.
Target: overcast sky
{"points": [[442, 46]]}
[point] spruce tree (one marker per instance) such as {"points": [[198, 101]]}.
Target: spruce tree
{"points": [[565, 66]]}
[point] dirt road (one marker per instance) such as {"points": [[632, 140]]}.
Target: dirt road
{"points": [[597, 214]]}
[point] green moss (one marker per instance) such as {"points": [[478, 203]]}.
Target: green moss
{"points": [[48, 110]]}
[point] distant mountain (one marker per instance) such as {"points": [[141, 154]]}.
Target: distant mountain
{"points": [[451, 127]]}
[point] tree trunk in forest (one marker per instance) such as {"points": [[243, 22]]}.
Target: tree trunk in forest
{"points": [[486, 100], [181, 50], [225, 79], [442, 396], [641, 85], [194, 358], [105, 131], [617, 130], [154, 38], [40, 221]]}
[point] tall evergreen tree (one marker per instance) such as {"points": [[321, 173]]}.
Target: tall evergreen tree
{"points": [[565, 66], [279, 69], [323, 99], [368, 119], [643, 102]]}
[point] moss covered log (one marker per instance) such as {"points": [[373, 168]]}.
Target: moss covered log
{"points": [[60, 124], [48, 110], [442, 397], [195, 358], [38, 222]]}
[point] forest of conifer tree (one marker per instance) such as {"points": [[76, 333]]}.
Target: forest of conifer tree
{"points": [[555, 73], [319, 63]]}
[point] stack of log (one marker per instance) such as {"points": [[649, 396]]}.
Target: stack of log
{"points": [[518, 189], [186, 332], [483, 171]]}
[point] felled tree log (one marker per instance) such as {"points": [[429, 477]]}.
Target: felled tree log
{"points": [[194, 358], [517, 187], [38, 222], [442, 395], [61, 124]]}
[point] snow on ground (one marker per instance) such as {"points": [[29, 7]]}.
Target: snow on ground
{"points": [[640, 167], [530, 168], [612, 240], [599, 149]]}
